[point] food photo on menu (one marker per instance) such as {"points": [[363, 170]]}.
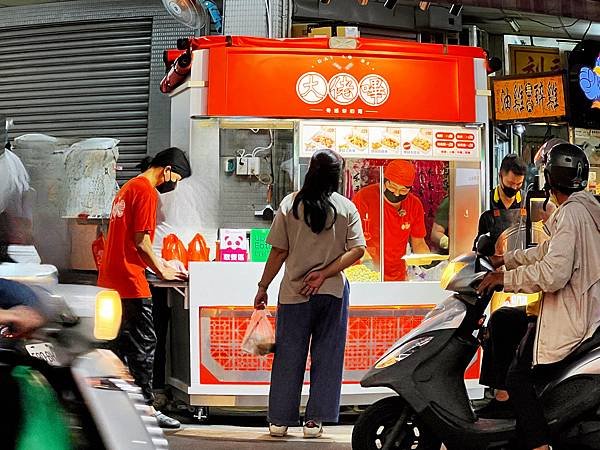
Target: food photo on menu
{"points": [[386, 140], [417, 141], [353, 139], [319, 137]]}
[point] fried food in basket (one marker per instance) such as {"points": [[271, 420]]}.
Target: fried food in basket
{"points": [[361, 273]]}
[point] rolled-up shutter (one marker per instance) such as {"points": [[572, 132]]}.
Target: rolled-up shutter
{"points": [[80, 80]]}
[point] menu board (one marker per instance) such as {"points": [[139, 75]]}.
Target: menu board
{"points": [[391, 141]]}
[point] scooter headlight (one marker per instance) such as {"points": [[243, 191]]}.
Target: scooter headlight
{"points": [[107, 319], [402, 352], [450, 272]]}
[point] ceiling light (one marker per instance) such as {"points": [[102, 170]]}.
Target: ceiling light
{"points": [[389, 4], [514, 24], [363, 2], [456, 9], [424, 6]]}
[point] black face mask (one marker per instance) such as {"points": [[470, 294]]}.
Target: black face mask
{"points": [[392, 198], [510, 192], [167, 186]]}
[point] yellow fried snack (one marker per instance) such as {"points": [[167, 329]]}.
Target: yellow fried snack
{"points": [[361, 273]]}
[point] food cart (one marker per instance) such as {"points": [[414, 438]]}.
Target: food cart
{"points": [[372, 101]]}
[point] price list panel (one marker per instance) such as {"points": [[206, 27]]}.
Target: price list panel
{"points": [[365, 140]]}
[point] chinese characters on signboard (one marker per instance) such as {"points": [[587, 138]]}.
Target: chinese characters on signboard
{"points": [[343, 89], [528, 60], [529, 98]]}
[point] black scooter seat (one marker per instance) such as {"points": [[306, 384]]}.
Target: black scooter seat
{"points": [[494, 425]]}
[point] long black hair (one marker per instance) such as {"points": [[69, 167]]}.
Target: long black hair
{"points": [[322, 180]]}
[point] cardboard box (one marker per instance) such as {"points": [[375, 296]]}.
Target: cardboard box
{"points": [[349, 32], [82, 237], [320, 31], [300, 30]]}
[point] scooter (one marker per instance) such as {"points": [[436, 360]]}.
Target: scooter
{"points": [[101, 407], [426, 370]]}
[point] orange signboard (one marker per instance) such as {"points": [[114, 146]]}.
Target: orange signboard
{"points": [[305, 78], [529, 98]]}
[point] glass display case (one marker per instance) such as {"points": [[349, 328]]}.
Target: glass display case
{"points": [[409, 236]]}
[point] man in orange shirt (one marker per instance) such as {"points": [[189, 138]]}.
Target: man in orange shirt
{"points": [[127, 254], [403, 216]]}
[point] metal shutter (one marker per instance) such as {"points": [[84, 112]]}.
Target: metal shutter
{"points": [[80, 80]]}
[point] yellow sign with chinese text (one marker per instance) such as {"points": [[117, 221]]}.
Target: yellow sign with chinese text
{"points": [[530, 98], [528, 60]]}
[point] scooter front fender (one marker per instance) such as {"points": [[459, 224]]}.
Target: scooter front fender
{"points": [[400, 376]]}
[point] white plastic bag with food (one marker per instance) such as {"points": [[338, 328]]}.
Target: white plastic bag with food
{"points": [[259, 338], [419, 273]]}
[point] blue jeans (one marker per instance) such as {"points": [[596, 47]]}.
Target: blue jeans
{"points": [[320, 323]]}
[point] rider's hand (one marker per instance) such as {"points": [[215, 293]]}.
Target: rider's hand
{"points": [[497, 261], [22, 320], [491, 282]]}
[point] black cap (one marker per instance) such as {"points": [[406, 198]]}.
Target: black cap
{"points": [[174, 157]]}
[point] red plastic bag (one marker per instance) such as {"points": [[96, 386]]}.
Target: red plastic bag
{"points": [[98, 249], [167, 250], [198, 250], [173, 248], [259, 338]]}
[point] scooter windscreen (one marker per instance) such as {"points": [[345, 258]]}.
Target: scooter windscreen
{"points": [[464, 273]]}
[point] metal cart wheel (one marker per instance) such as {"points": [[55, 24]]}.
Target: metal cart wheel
{"points": [[200, 413]]}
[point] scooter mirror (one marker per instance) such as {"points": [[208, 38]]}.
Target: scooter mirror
{"points": [[486, 245]]}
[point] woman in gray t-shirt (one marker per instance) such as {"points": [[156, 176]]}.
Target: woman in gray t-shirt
{"points": [[317, 233]]}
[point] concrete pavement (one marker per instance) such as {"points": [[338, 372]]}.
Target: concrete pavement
{"points": [[228, 437]]}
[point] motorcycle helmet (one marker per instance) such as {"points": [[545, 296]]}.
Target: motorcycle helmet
{"points": [[565, 167]]}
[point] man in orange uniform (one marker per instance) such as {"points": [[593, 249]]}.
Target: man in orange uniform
{"points": [[403, 215], [128, 253]]}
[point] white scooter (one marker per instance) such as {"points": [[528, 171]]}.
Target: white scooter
{"points": [[104, 408]]}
